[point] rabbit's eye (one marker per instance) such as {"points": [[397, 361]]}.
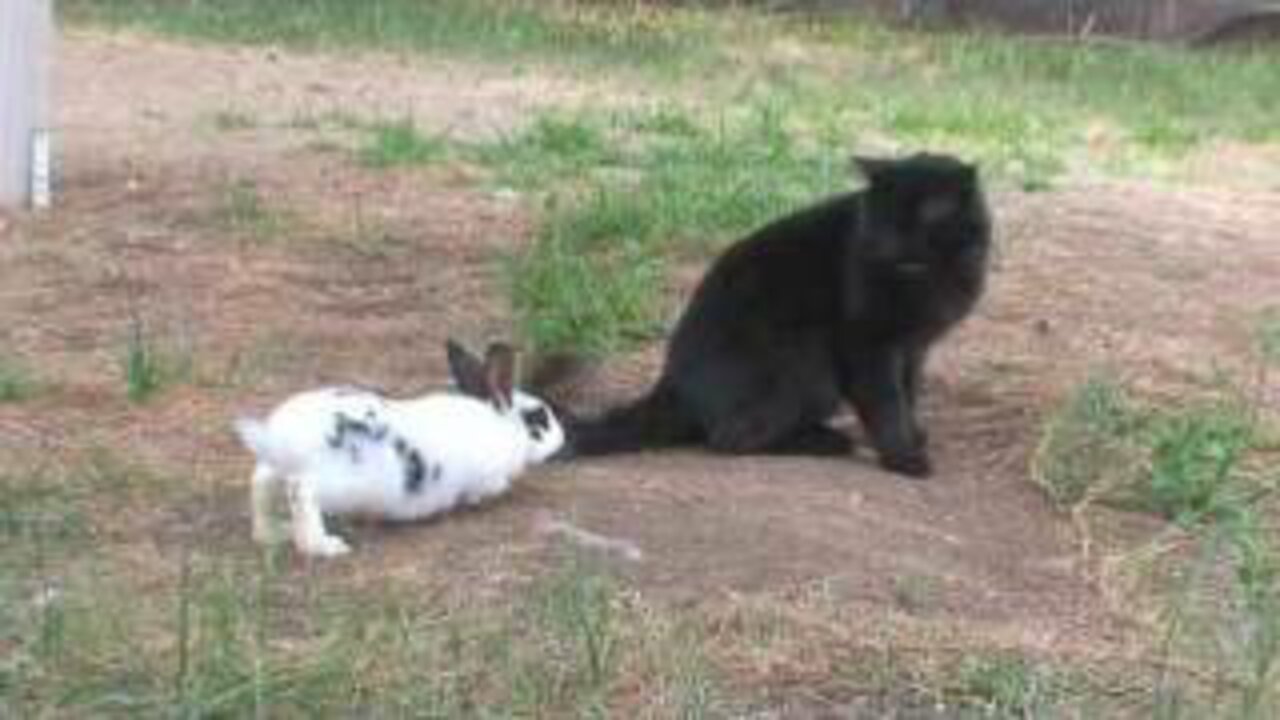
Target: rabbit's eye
{"points": [[537, 421]]}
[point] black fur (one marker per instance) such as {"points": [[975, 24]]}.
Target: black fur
{"points": [[840, 301], [415, 470], [349, 432], [536, 422]]}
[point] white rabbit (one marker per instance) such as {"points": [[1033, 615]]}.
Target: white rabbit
{"points": [[350, 451]]}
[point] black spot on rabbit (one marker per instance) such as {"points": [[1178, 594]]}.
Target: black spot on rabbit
{"points": [[415, 470], [537, 421], [349, 433]]}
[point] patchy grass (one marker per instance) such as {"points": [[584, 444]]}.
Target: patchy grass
{"points": [[667, 177], [1268, 340], [331, 119], [1087, 446], [233, 120], [595, 302], [52, 507], [1194, 463], [148, 364], [142, 376], [1013, 142], [1029, 111], [225, 631], [771, 133], [1223, 596], [242, 210], [236, 635], [675, 176], [17, 382], [40, 507], [1195, 459], [1009, 686], [400, 143], [848, 669], [554, 147], [619, 36], [634, 189], [265, 355], [915, 593], [980, 88], [1183, 462]]}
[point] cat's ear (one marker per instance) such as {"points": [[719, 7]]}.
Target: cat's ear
{"points": [[870, 167]]}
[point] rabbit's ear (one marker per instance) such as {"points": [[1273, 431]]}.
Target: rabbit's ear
{"points": [[469, 373], [552, 370], [500, 374]]}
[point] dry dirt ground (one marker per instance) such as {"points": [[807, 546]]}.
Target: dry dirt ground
{"points": [[357, 275]]}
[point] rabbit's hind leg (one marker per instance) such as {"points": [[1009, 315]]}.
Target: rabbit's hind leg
{"points": [[309, 534], [267, 529]]}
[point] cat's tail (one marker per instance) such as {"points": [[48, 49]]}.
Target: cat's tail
{"points": [[653, 421]]}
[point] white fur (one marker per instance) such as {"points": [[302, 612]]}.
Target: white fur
{"points": [[470, 450]]}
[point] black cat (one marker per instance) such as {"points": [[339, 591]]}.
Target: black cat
{"points": [[841, 300]]}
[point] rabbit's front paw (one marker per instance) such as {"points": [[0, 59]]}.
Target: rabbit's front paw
{"points": [[328, 546]]}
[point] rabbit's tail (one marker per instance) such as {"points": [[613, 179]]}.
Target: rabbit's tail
{"points": [[655, 420], [257, 437]]}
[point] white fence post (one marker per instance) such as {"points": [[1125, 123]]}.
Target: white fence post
{"points": [[26, 48]]}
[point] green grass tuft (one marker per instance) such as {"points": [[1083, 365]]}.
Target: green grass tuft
{"points": [[1088, 446], [643, 187], [400, 143], [242, 210], [1181, 462], [1195, 457], [567, 298], [1008, 686], [233, 121], [555, 147], [142, 375], [148, 365], [17, 383]]}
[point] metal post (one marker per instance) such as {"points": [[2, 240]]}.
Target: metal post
{"points": [[26, 48]]}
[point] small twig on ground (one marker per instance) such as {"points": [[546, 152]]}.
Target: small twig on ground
{"points": [[552, 526]]}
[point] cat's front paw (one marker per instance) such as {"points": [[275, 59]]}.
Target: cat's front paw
{"points": [[914, 465], [922, 437]]}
